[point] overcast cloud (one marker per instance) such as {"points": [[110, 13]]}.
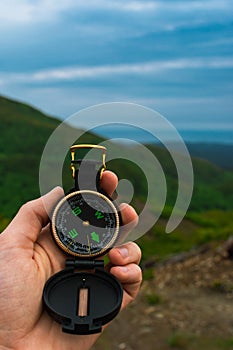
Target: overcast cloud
{"points": [[173, 56]]}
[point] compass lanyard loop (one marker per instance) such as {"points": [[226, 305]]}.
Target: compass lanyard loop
{"points": [[87, 174]]}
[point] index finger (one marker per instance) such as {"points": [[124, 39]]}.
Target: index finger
{"points": [[109, 182]]}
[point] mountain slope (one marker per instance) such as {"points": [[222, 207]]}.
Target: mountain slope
{"points": [[219, 154], [23, 134], [25, 131]]}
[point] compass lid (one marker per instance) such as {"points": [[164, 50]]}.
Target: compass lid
{"points": [[82, 301]]}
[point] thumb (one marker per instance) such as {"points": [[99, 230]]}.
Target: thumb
{"points": [[32, 217]]}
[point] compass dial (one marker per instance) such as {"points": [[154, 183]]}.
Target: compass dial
{"points": [[85, 224]]}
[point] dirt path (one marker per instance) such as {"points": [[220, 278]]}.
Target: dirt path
{"points": [[187, 305]]}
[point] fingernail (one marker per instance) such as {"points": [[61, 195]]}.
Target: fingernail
{"points": [[124, 252]]}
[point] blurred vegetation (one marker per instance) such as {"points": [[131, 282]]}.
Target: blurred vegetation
{"points": [[189, 341], [24, 133]]}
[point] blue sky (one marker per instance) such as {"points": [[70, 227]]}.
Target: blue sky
{"points": [[173, 56]]}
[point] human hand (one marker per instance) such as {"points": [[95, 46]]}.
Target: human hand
{"points": [[29, 257]]}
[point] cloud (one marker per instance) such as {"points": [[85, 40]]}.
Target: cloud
{"points": [[93, 72], [175, 55], [26, 12]]}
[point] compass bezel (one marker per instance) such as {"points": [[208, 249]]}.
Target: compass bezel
{"points": [[114, 211]]}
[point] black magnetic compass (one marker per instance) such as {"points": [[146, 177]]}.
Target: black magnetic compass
{"points": [[85, 225]]}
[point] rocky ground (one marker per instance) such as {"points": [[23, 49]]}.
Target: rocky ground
{"points": [[187, 304]]}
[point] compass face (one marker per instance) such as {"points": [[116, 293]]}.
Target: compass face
{"points": [[85, 224]]}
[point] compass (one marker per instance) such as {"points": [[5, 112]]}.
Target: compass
{"points": [[85, 225]]}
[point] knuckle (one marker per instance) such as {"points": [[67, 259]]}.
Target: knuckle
{"points": [[133, 247], [28, 206], [138, 274]]}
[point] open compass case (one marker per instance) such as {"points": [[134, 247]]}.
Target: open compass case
{"points": [[83, 297]]}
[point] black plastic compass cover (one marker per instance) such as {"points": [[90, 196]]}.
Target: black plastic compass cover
{"points": [[62, 297]]}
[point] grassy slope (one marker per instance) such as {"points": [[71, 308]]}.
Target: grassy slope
{"points": [[24, 132]]}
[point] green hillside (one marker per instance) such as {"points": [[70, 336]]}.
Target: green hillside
{"points": [[213, 186], [24, 133], [219, 154]]}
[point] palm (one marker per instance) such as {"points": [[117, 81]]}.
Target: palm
{"points": [[24, 279]]}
